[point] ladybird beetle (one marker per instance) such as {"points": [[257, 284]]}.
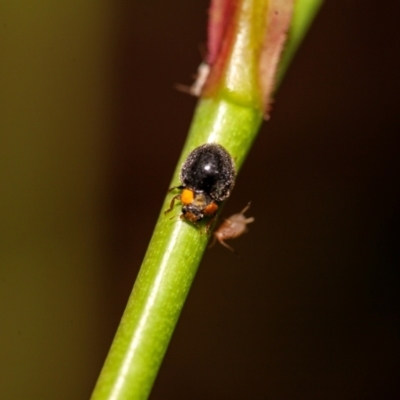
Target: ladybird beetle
{"points": [[207, 177], [232, 228]]}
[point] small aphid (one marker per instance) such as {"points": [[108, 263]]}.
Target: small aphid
{"points": [[232, 228]]}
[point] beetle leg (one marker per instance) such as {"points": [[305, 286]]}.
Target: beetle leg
{"points": [[175, 187], [171, 206]]}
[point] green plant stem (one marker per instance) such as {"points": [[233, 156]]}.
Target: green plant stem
{"points": [[170, 265], [172, 259]]}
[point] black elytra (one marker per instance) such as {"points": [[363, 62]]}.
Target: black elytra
{"points": [[210, 169], [207, 176]]}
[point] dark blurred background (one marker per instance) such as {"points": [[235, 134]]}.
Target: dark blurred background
{"points": [[90, 130]]}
